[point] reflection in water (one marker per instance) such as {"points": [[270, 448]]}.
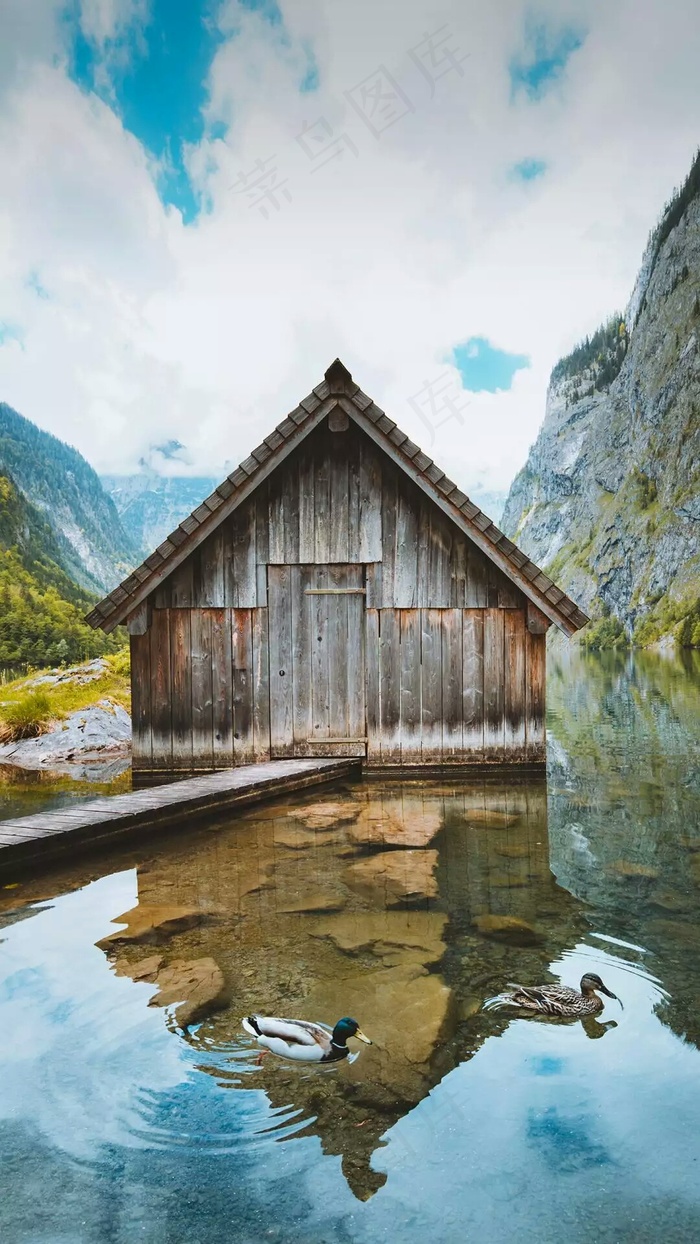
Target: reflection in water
{"points": [[158, 1124]]}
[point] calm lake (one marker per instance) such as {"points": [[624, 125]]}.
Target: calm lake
{"points": [[117, 1125]]}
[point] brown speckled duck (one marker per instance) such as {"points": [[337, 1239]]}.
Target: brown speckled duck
{"points": [[556, 1000]]}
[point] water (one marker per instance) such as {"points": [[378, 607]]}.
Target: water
{"points": [[117, 1125]]}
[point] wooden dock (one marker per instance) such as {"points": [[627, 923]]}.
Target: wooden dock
{"points": [[31, 840]]}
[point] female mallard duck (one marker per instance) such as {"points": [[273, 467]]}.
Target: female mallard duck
{"points": [[301, 1041], [558, 1000]]}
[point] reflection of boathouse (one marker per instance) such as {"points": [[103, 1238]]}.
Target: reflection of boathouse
{"points": [[314, 910], [337, 595]]}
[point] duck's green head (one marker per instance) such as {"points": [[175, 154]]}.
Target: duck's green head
{"points": [[348, 1028]]}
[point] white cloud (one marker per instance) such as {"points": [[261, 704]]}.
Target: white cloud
{"points": [[211, 333]]}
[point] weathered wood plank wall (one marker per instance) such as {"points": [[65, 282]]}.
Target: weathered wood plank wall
{"points": [[338, 603], [339, 500], [445, 685]]}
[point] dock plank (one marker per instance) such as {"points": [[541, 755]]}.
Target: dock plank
{"points": [[30, 840]]}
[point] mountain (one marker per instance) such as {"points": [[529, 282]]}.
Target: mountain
{"points": [[609, 499], [41, 608], [150, 506], [94, 548]]}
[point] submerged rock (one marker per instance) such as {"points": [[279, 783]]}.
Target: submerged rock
{"points": [[196, 984], [153, 923], [315, 900], [327, 815], [507, 929], [376, 828], [396, 877], [492, 818]]}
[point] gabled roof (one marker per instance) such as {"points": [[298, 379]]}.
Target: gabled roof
{"points": [[337, 390]]}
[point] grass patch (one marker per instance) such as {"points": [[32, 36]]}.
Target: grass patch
{"points": [[26, 717], [68, 696]]}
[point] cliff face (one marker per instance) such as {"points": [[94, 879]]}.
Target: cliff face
{"points": [[609, 499], [150, 506], [56, 480]]}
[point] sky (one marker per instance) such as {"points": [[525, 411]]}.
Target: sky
{"points": [[204, 202]]}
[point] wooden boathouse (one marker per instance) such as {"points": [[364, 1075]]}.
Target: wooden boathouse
{"points": [[337, 595]]}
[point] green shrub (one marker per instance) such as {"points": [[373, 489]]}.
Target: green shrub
{"points": [[606, 633], [120, 663], [26, 717]]}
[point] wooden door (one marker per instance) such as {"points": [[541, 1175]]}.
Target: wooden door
{"points": [[317, 660]]}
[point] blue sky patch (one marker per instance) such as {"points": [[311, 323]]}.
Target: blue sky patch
{"points": [[10, 332], [268, 9], [484, 368], [311, 78], [528, 170], [34, 283], [543, 59], [158, 78]]}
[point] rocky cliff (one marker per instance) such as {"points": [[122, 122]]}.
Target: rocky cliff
{"points": [[609, 499], [151, 505], [55, 479]]}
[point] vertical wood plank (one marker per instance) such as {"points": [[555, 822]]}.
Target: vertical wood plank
{"points": [[355, 661], [281, 662], [140, 646], [208, 572], [514, 723], [410, 691], [339, 500], [336, 644], [374, 746], [290, 492], [320, 673], [322, 503], [261, 586], [477, 577], [260, 500], [351, 441], [390, 685], [440, 561], [276, 517], [241, 562], [261, 685], [452, 688], [242, 662], [301, 577], [373, 584], [181, 687], [535, 696], [161, 698], [406, 569], [202, 700], [306, 469], [473, 682], [371, 503], [458, 589], [494, 678], [389, 495], [431, 686], [222, 689], [181, 585], [424, 546]]}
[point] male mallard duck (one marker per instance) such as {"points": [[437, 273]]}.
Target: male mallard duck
{"points": [[301, 1041], [558, 1000]]}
